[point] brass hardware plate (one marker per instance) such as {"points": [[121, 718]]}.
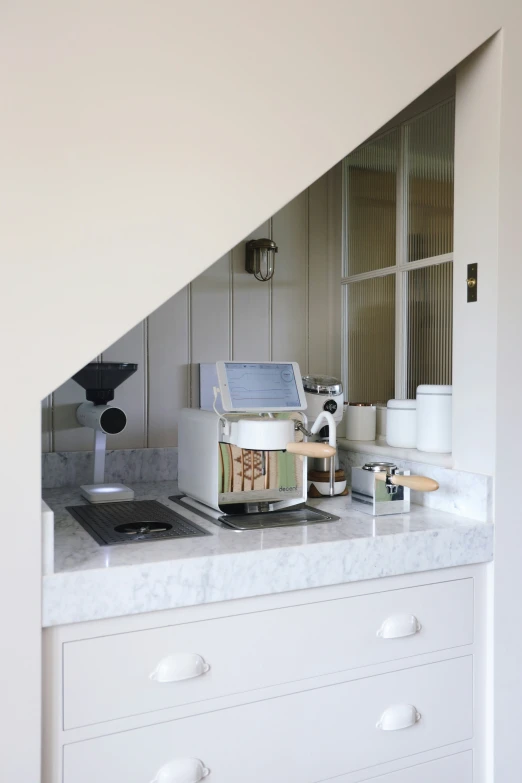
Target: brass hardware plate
{"points": [[472, 282]]}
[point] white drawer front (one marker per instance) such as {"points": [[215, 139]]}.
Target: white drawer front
{"points": [[306, 737], [109, 677], [452, 769]]}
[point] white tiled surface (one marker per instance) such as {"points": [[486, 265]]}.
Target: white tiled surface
{"points": [[92, 582]]}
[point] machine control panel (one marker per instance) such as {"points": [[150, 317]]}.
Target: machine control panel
{"points": [[261, 386]]}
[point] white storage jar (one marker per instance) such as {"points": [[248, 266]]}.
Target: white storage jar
{"points": [[381, 411], [434, 418], [401, 424], [361, 421]]}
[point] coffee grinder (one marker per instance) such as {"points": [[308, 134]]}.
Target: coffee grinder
{"points": [[325, 476], [99, 379]]}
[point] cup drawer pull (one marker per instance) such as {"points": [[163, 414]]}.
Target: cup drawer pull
{"points": [[181, 771], [399, 625], [398, 716], [182, 666]]}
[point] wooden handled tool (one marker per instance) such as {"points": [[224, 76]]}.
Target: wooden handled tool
{"points": [[311, 449], [419, 483]]}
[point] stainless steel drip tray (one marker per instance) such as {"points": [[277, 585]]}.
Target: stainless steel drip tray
{"points": [[287, 517], [137, 520]]}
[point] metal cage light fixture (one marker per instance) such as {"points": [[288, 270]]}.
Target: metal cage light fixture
{"points": [[260, 258]]}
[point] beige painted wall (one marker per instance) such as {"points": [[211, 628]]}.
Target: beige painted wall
{"points": [[508, 537], [477, 140], [140, 143], [224, 314], [98, 151]]}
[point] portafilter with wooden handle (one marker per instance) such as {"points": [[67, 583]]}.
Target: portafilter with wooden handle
{"points": [[379, 488], [418, 483]]}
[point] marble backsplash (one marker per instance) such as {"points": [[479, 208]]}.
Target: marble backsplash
{"points": [[126, 466], [466, 494]]}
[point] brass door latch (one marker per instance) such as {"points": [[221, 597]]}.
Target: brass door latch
{"points": [[472, 282]]}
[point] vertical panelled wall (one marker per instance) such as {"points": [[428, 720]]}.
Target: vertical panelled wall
{"points": [[225, 314]]}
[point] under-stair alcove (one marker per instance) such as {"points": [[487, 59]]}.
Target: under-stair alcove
{"points": [[144, 147]]}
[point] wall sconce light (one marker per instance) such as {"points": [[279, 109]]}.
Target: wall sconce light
{"points": [[260, 258]]}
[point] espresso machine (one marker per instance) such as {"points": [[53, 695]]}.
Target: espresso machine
{"points": [[248, 455]]}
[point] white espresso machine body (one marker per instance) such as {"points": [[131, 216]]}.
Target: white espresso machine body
{"points": [[198, 466], [218, 473]]}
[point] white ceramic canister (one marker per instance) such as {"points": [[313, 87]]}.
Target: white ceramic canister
{"points": [[381, 422], [401, 424], [434, 419], [341, 428], [361, 421]]}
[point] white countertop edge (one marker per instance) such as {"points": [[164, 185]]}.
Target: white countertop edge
{"points": [[95, 594]]}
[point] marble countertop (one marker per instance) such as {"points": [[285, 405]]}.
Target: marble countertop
{"points": [[93, 582]]}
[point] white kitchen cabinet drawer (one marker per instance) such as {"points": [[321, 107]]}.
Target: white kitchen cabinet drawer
{"points": [[452, 769], [109, 677], [303, 737]]}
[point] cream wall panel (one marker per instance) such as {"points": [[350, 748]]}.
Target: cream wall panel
{"points": [[131, 395], [211, 312], [169, 357], [289, 311], [508, 530], [477, 144], [251, 303], [180, 184], [68, 434], [210, 319], [318, 277]]}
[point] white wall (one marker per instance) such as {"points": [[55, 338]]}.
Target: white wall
{"points": [[140, 143], [98, 150], [488, 230], [224, 314], [508, 534], [477, 139]]}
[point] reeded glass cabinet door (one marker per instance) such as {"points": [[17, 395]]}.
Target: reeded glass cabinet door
{"points": [[398, 218], [430, 326], [371, 182], [371, 339], [429, 159]]}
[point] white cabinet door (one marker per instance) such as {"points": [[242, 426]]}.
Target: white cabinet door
{"points": [[304, 737], [109, 677]]}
